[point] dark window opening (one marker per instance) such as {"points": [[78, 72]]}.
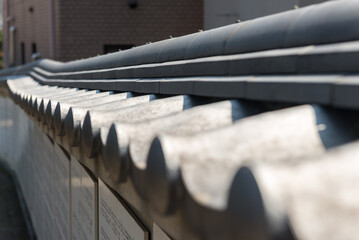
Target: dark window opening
{"points": [[34, 54], [132, 4], [116, 47], [23, 56], [33, 48]]}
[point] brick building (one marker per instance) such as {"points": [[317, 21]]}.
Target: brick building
{"points": [[71, 29]]}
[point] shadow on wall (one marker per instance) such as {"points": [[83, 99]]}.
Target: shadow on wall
{"points": [[336, 127]]}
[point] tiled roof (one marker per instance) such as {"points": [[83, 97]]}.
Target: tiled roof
{"points": [[243, 132]]}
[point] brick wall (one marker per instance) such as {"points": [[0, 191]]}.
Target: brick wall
{"points": [[31, 27], [85, 26]]}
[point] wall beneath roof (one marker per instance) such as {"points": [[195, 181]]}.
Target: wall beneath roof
{"points": [[64, 200]]}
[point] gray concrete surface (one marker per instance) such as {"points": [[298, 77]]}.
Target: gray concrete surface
{"points": [[12, 222]]}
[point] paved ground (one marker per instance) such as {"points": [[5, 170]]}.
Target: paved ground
{"points": [[12, 222]]}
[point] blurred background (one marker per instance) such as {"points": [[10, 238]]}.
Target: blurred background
{"points": [[65, 30]]}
